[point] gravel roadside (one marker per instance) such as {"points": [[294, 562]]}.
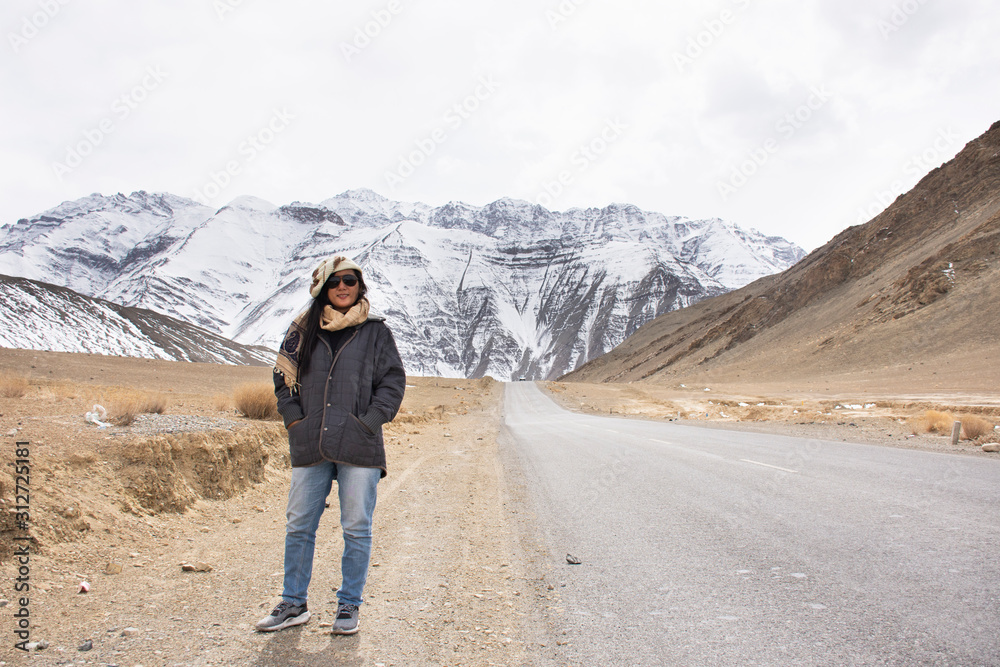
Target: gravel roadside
{"points": [[885, 423], [456, 577]]}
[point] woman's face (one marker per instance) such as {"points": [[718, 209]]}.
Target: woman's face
{"points": [[343, 297]]}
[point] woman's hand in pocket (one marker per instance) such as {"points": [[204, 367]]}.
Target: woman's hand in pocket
{"points": [[297, 421]]}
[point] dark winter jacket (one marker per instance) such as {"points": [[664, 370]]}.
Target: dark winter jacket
{"points": [[350, 389]]}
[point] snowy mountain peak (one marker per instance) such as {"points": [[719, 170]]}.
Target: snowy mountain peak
{"points": [[509, 289], [510, 202], [366, 206], [250, 204], [364, 194]]}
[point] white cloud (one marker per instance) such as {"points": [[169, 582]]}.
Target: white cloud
{"points": [[360, 110]]}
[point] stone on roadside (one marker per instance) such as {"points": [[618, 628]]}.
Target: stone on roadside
{"points": [[991, 447], [113, 568], [86, 646], [129, 632], [196, 567], [10, 434]]}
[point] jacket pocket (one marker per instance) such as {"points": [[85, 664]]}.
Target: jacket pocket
{"points": [[366, 435], [297, 435]]}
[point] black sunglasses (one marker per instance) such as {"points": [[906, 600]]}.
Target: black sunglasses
{"points": [[349, 280]]}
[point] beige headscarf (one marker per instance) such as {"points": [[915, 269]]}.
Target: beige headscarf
{"points": [[327, 268]]}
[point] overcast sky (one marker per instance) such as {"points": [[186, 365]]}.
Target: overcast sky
{"points": [[797, 118]]}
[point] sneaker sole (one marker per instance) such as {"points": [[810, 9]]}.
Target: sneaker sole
{"points": [[336, 631], [289, 622]]}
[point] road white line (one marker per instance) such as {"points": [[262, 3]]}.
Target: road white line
{"points": [[768, 465]]}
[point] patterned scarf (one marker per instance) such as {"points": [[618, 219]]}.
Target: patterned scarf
{"points": [[287, 362]]}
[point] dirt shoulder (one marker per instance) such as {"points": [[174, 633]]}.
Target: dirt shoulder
{"points": [[863, 417], [456, 577]]}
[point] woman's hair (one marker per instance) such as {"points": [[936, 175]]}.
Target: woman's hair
{"points": [[311, 336]]}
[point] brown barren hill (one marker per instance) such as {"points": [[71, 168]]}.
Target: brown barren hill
{"points": [[908, 302]]}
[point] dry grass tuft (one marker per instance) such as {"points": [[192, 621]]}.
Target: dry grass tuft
{"points": [[934, 421], [13, 386], [124, 404], [974, 427], [59, 390], [155, 404], [222, 403], [66, 390], [256, 400]]}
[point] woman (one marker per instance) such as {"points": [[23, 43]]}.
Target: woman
{"points": [[338, 378]]}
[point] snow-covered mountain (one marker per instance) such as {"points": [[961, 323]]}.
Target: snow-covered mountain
{"points": [[510, 289], [38, 316]]}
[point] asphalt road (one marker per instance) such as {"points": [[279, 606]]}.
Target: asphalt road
{"points": [[710, 547]]}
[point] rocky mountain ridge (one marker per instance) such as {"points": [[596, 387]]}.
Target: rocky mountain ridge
{"points": [[509, 289], [38, 316], [916, 286]]}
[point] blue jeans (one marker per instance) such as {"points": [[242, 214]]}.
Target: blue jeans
{"points": [[356, 488]]}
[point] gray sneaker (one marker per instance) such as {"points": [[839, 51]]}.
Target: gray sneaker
{"points": [[347, 620], [285, 615]]}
